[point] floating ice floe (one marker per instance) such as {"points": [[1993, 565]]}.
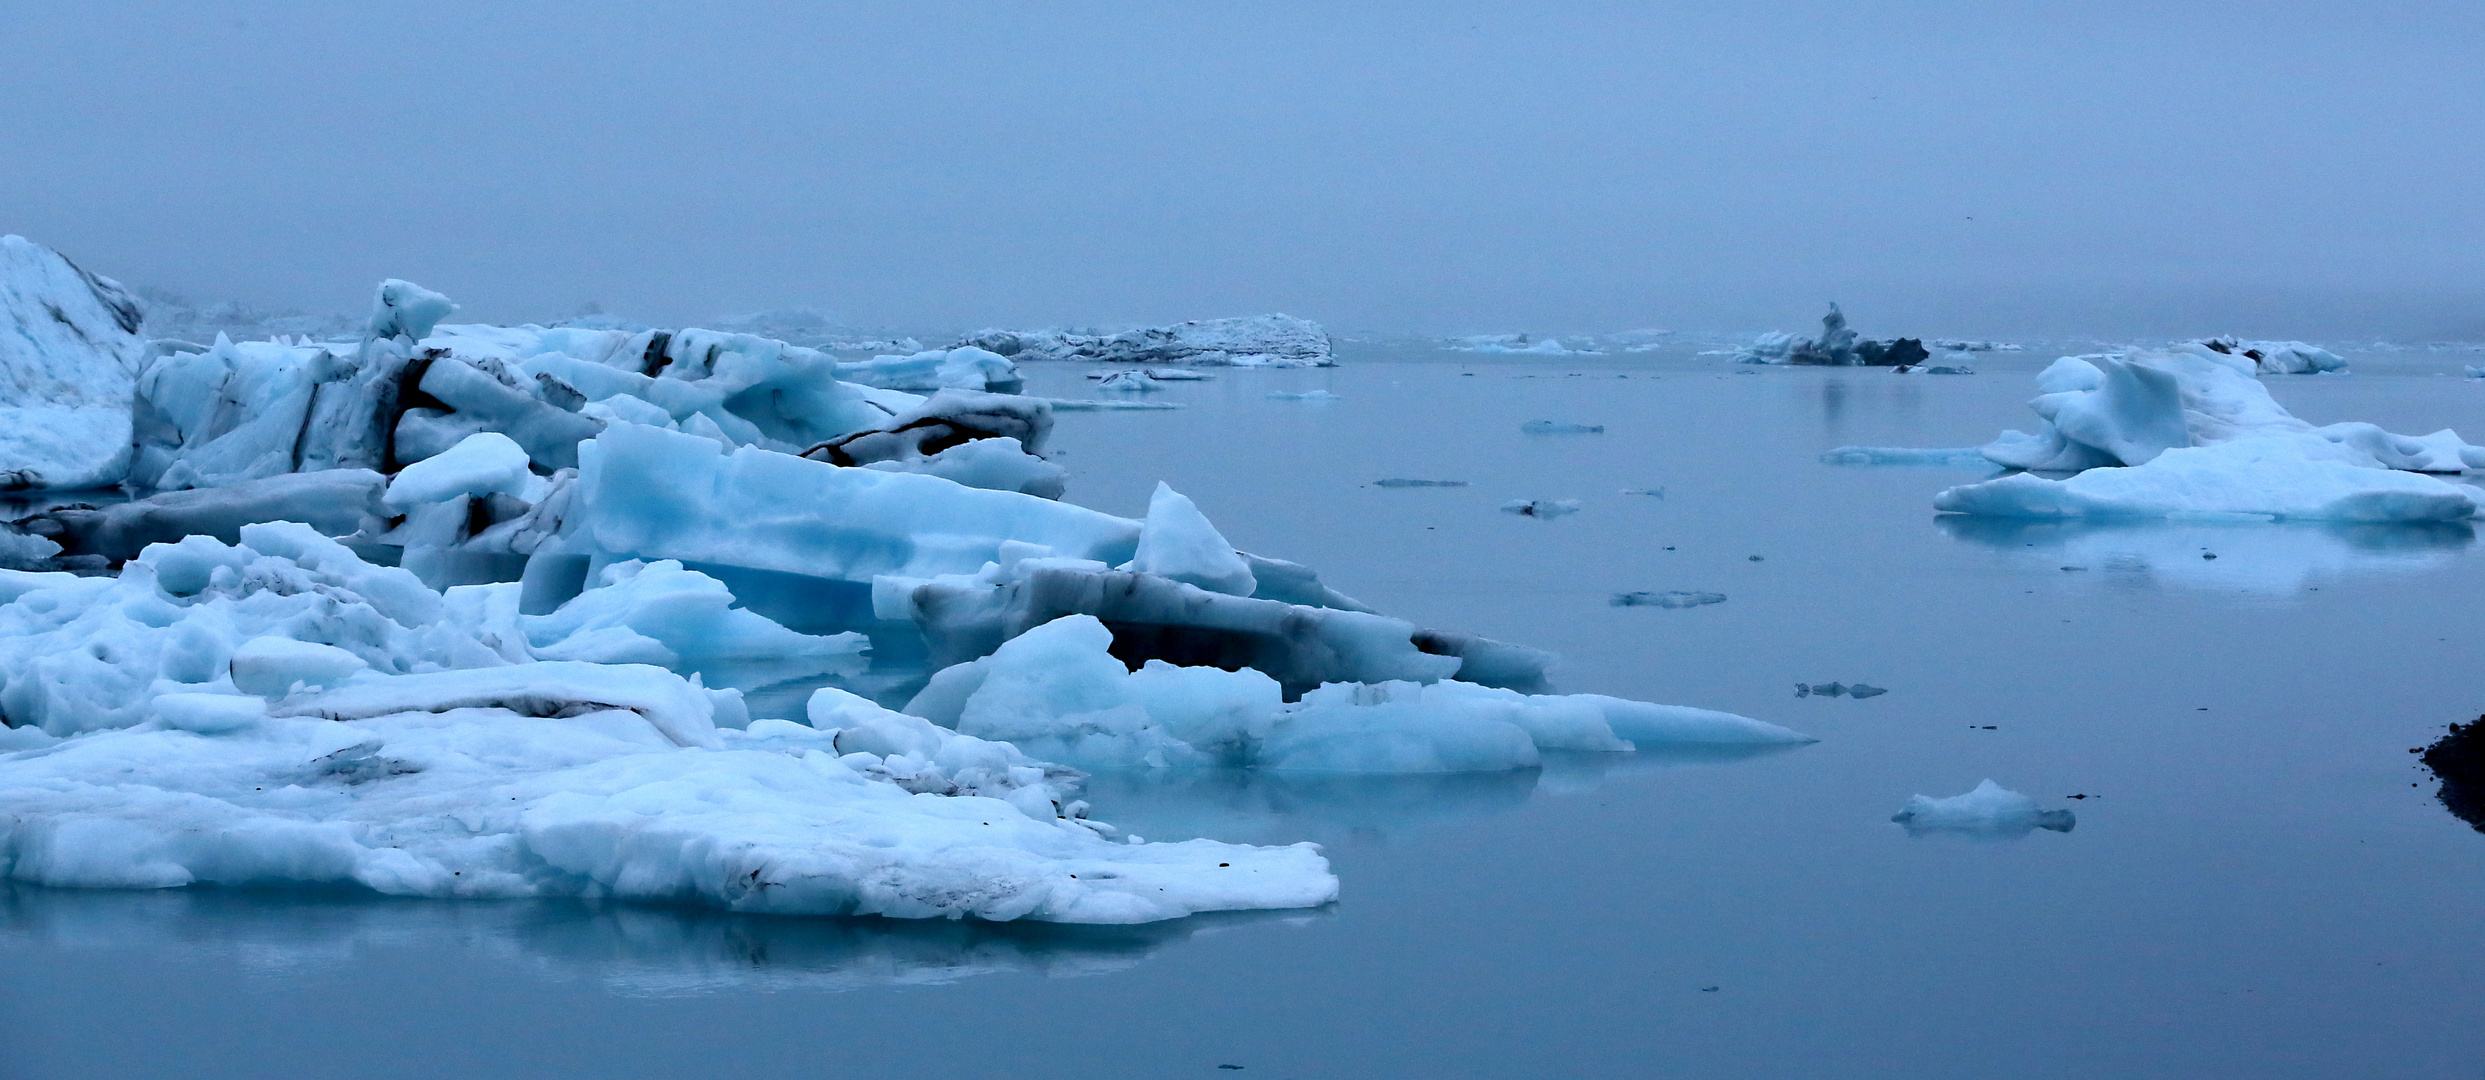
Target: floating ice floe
{"points": [[1989, 811], [1541, 508], [1551, 427], [1303, 395], [2192, 432], [1158, 374], [280, 712], [69, 356], [962, 368], [1831, 689], [1129, 382], [1123, 405], [1670, 599], [1962, 345], [1401, 482], [1838, 346], [1257, 341], [1057, 691]]}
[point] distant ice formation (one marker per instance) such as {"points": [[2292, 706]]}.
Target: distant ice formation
{"points": [[1257, 341], [1670, 599], [1989, 811], [2278, 357], [2191, 432], [1838, 346]]}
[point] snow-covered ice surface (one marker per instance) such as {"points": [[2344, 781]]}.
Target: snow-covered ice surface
{"points": [[2223, 716]]}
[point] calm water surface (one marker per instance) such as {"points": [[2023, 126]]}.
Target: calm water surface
{"points": [[2258, 885]]}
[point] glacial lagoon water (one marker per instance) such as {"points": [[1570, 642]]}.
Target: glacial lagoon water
{"points": [[2259, 883]]}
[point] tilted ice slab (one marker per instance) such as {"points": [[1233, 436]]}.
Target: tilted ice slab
{"points": [[2192, 432], [1257, 341], [1989, 811], [1058, 693], [648, 493], [69, 354]]}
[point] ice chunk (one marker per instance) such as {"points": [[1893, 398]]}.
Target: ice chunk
{"points": [[1258, 341], [407, 310], [1176, 541], [2280, 477], [2192, 432], [1128, 381], [659, 613], [655, 494], [962, 368], [981, 440], [1549, 427], [1058, 692], [1402, 483], [232, 413], [1673, 599], [1838, 346], [1541, 508], [69, 357], [1991, 811], [336, 502], [277, 666], [485, 463], [2457, 759], [2278, 357], [1306, 395]]}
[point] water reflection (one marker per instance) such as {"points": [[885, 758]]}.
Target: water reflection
{"points": [[2274, 558], [630, 950], [1263, 807]]}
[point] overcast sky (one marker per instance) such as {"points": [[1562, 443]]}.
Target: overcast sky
{"points": [[1987, 167]]}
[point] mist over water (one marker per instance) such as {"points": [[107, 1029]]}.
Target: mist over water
{"points": [[2285, 170]]}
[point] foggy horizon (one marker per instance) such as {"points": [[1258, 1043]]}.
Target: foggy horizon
{"points": [[2002, 171]]}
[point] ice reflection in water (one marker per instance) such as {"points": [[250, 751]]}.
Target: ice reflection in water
{"points": [[630, 950], [2260, 557]]}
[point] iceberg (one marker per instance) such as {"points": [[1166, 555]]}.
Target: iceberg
{"points": [[1990, 811], [1258, 341], [281, 712], [2192, 432], [1058, 691], [981, 440], [70, 352]]}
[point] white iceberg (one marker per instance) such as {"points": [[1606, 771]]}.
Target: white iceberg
{"points": [[1257, 341], [2278, 357], [2192, 432], [69, 356], [1989, 811]]}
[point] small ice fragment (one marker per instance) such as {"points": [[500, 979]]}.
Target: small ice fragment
{"points": [[1671, 599], [1541, 508], [1990, 810], [1307, 395], [1829, 689], [1658, 492], [1400, 482], [1098, 405], [2474, 371], [1860, 690], [1128, 381], [1548, 427]]}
